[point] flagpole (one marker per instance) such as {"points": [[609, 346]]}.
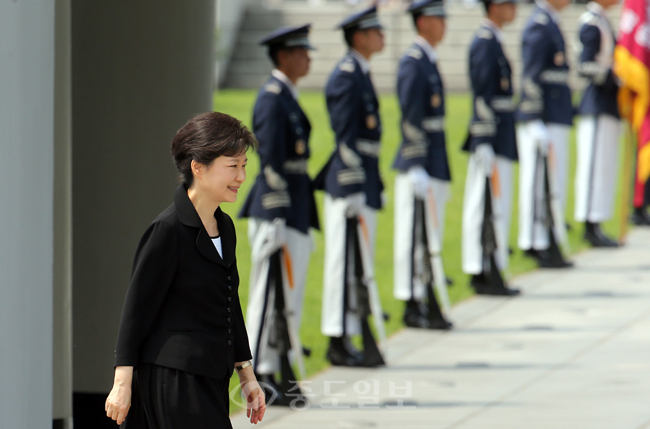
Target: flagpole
{"points": [[628, 154]]}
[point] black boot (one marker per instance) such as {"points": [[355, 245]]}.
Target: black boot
{"points": [[482, 286], [342, 353], [640, 217], [415, 315], [550, 257], [595, 236]]}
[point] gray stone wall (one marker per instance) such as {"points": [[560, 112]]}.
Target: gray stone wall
{"points": [[250, 65]]}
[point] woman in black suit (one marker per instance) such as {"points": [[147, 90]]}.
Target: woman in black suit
{"points": [[182, 331]]}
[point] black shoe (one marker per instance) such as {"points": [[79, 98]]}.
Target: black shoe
{"points": [[272, 391], [415, 315], [480, 284], [595, 236], [532, 253], [548, 260], [342, 353], [640, 217], [440, 324], [449, 281], [490, 291], [306, 352], [477, 280]]}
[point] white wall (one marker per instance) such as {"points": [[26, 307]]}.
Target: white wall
{"points": [[26, 176]]}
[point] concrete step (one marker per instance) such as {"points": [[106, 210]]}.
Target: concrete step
{"points": [[250, 66]]}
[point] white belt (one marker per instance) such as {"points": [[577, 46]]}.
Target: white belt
{"points": [[368, 147], [434, 124], [295, 166], [503, 104], [554, 76]]}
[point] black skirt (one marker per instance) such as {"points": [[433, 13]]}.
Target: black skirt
{"points": [[166, 398]]}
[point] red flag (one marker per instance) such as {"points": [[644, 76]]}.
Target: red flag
{"points": [[632, 65]]}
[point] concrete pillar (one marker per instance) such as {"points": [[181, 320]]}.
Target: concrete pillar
{"points": [[62, 275], [140, 69], [26, 175]]}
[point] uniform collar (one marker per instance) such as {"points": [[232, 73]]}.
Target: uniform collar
{"points": [[429, 50], [595, 8], [285, 80], [495, 29], [363, 62], [553, 13]]}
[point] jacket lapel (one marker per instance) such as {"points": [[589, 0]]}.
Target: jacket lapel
{"points": [[228, 238], [188, 216]]}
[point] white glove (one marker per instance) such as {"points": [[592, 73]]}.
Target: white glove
{"points": [[354, 203], [539, 133], [420, 180], [485, 158], [276, 236]]}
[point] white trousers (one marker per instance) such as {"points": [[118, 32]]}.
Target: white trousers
{"points": [[473, 206], [260, 308], [333, 322], [597, 165], [532, 234], [405, 285]]}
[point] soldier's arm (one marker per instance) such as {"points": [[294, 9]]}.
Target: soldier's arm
{"points": [[537, 57], [588, 67], [413, 101], [484, 76], [344, 105], [271, 130]]}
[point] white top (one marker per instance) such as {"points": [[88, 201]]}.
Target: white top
{"points": [[428, 49], [285, 80], [363, 62], [217, 243]]}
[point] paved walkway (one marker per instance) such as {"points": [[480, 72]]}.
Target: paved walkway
{"points": [[572, 352]]}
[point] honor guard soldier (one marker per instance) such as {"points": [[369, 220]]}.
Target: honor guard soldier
{"points": [[353, 190], [281, 210], [492, 145], [422, 182], [598, 126], [546, 116]]}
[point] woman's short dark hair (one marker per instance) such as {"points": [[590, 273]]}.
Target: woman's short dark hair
{"points": [[206, 137]]}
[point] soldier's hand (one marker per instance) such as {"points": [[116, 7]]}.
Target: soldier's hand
{"points": [[485, 158], [539, 133], [354, 204], [420, 180]]}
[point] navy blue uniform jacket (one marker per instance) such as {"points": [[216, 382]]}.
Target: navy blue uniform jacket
{"points": [[182, 307], [422, 100], [545, 93], [493, 120], [282, 189], [601, 94], [354, 116]]}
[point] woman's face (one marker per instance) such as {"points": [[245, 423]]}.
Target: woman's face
{"points": [[221, 179]]}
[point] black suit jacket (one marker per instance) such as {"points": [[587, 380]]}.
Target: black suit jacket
{"points": [[182, 307]]}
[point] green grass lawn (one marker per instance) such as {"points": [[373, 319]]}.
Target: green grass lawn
{"points": [[239, 103]]}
